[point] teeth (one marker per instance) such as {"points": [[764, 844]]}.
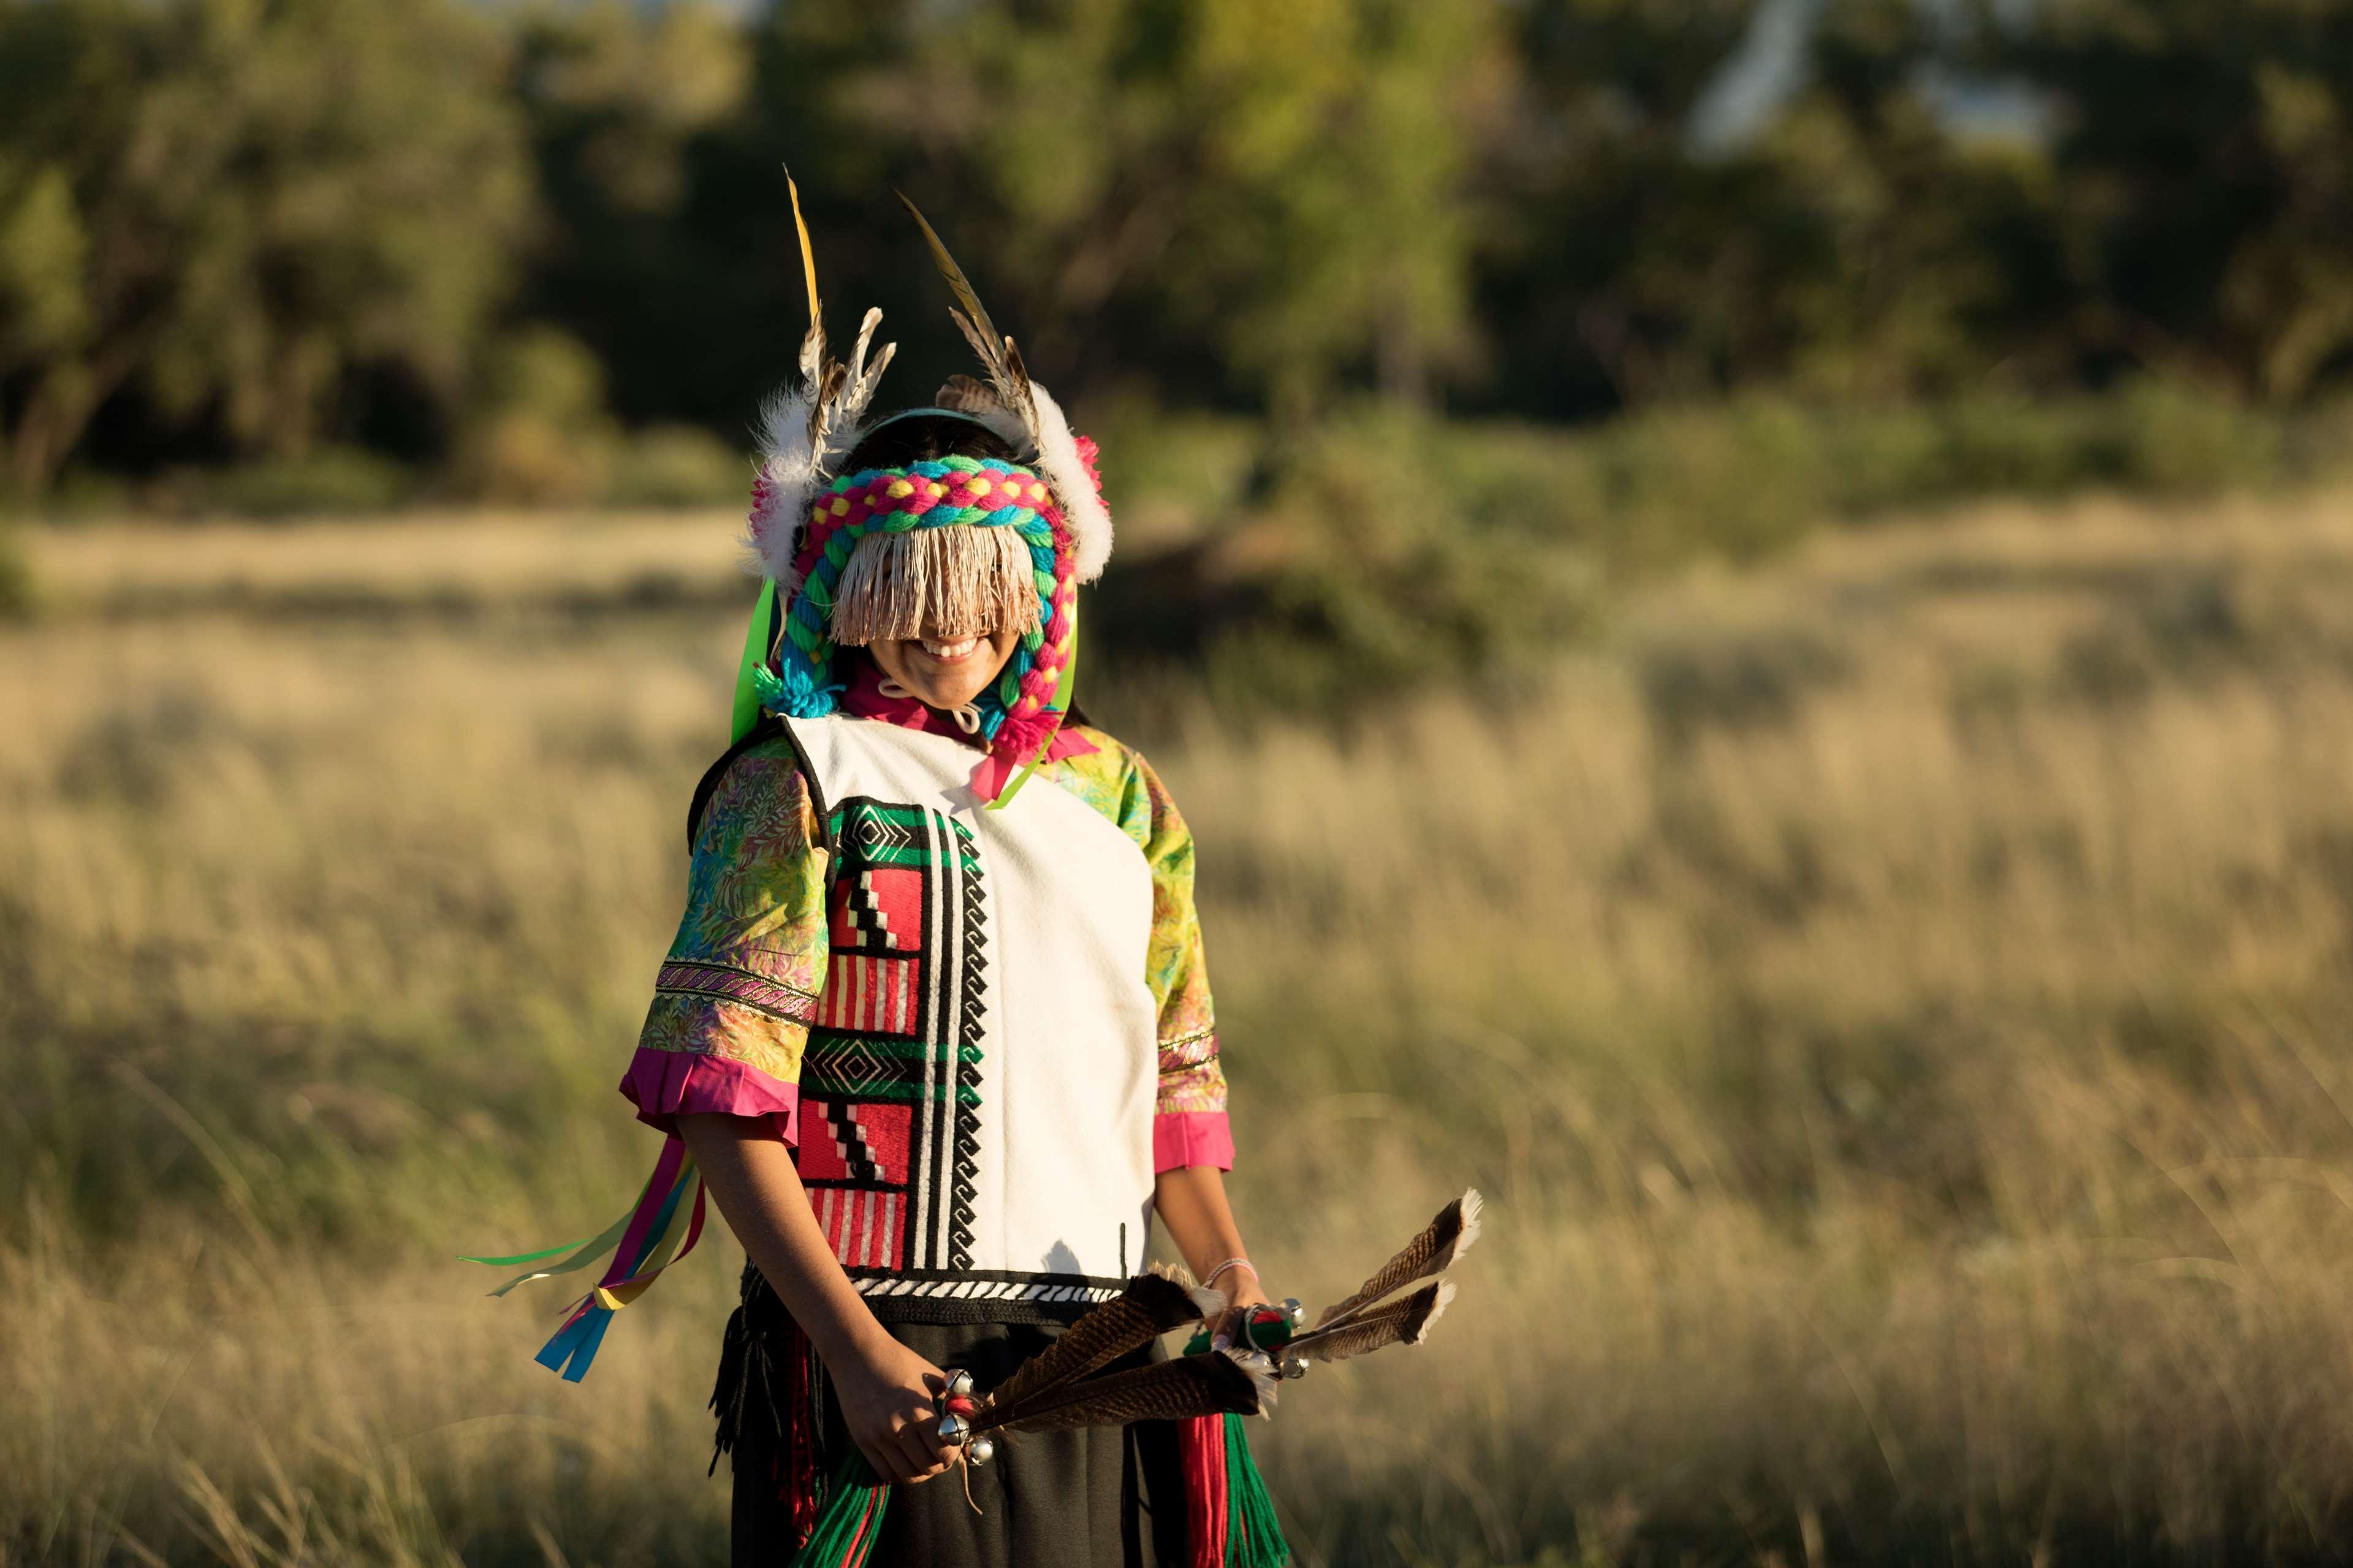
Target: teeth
{"points": [[956, 649]]}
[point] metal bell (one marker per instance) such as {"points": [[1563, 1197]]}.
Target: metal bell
{"points": [[981, 1449], [959, 1384], [1294, 1313], [954, 1428], [1294, 1367]]}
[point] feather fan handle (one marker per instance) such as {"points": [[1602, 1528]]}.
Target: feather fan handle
{"points": [[1444, 1239], [1401, 1323], [1213, 1384], [1150, 1306], [1004, 367]]}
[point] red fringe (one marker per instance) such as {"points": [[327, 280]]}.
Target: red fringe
{"points": [[1201, 1449], [797, 1485]]}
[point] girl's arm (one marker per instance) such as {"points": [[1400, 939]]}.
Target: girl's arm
{"points": [[1191, 1202], [885, 1389]]}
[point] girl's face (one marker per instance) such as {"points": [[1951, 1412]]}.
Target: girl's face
{"points": [[946, 672]]}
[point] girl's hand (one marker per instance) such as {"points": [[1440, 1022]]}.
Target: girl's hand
{"points": [[886, 1394], [1242, 1292]]}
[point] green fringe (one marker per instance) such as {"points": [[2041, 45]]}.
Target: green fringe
{"points": [[1253, 1536], [851, 1515], [849, 1520]]}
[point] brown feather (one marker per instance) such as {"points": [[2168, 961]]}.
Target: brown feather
{"points": [[1443, 1240], [1150, 1306], [1401, 1323], [858, 389], [1012, 381], [1213, 1385], [965, 396], [821, 412]]}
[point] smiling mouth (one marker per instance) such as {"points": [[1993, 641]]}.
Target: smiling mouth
{"points": [[950, 651]]}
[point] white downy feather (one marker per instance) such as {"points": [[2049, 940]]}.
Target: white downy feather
{"points": [[790, 469], [1437, 1311], [1057, 455], [1472, 1204], [1260, 1368]]}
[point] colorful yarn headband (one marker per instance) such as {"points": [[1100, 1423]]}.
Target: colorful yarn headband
{"points": [[1019, 713]]}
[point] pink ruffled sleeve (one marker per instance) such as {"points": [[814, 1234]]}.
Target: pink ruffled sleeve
{"points": [[662, 1084], [734, 999]]}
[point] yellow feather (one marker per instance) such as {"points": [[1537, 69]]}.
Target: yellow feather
{"points": [[808, 257]]}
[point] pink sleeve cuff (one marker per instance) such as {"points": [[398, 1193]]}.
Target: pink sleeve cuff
{"points": [[661, 1084], [1182, 1138]]}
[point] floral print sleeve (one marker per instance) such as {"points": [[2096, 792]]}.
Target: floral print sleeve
{"points": [[734, 1001], [1190, 1125]]}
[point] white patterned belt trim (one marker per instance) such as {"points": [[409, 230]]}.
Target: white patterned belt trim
{"points": [[986, 1290]]}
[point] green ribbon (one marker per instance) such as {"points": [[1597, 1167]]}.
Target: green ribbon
{"points": [[757, 641]]}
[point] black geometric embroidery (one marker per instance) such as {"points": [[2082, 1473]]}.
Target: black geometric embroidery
{"points": [[864, 914], [973, 1007], [919, 1051], [841, 1120]]}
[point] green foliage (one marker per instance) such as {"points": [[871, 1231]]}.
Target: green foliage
{"points": [[539, 432], [235, 208], [232, 231], [677, 465], [2205, 170], [323, 479], [1381, 550]]}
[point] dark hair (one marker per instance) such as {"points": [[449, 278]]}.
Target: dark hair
{"points": [[921, 437]]}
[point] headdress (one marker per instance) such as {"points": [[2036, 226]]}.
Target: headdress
{"points": [[808, 522]]}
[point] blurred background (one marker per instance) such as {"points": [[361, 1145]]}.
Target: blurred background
{"points": [[1748, 600]]}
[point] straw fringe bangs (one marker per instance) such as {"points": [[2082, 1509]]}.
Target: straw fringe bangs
{"points": [[966, 580]]}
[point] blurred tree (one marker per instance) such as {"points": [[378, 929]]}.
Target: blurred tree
{"points": [[1592, 164], [2206, 178], [1852, 248], [233, 204], [1269, 197], [624, 103]]}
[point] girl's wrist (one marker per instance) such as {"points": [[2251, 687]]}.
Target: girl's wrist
{"points": [[1237, 1265], [846, 1334]]}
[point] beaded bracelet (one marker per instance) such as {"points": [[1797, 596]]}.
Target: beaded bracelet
{"points": [[1229, 1263]]}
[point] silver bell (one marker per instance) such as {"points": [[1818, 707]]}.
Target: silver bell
{"points": [[954, 1428], [1294, 1313], [1294, 1367], [959, 1385], [981, 1449]]}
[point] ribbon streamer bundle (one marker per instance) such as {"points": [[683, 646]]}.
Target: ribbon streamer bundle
{"points": [[658, 1229]]}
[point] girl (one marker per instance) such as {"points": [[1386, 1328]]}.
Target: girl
{"points": [[936, 1030]]}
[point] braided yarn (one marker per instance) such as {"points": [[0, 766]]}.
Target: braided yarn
{"points": [[943, 492]]}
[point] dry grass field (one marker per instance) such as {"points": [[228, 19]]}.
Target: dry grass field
{"points": [[1895, 1000]]}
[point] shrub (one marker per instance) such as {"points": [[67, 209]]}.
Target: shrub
{"points": [[332, 479], [677, 465]]}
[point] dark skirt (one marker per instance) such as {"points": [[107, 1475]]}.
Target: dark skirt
{"points": [[1104, 1495]]}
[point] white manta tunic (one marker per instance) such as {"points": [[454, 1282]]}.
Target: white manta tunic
{"points": [[978, 1087]]}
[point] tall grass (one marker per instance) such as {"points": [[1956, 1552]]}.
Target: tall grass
{"points": [[1892, 1000]]}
